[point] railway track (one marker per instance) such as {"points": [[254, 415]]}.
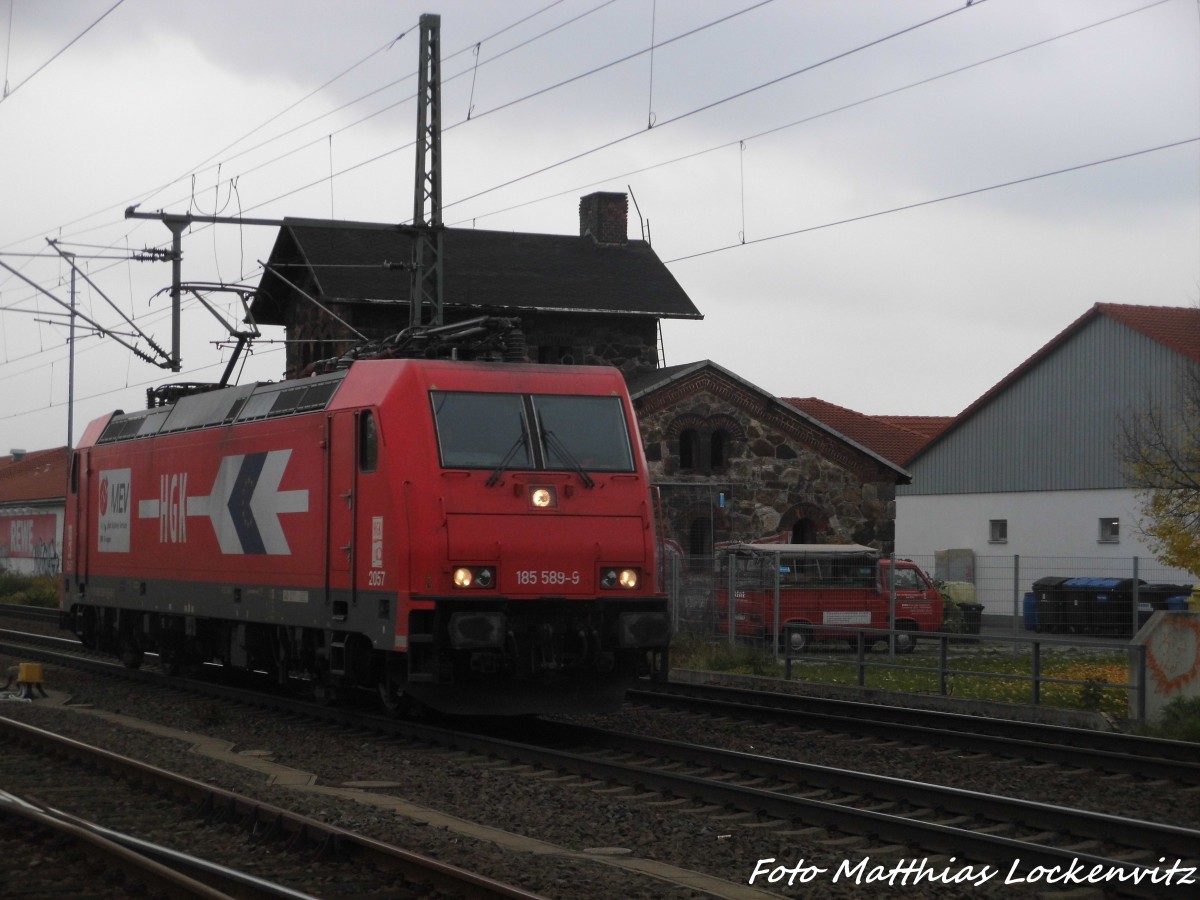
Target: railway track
{"points": [[69, 789], [1101, 751], [780, 795], [875, 805], [777, 796]]}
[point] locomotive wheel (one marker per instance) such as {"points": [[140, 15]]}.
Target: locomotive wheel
{"points": [[392, 697], [131, 654]]}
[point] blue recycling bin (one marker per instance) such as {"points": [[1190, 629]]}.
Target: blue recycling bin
{"points": [[1029, 611]]}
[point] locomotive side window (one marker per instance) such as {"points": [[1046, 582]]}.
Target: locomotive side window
{"points": [[587, 432], [480, 431], [368, 442]]}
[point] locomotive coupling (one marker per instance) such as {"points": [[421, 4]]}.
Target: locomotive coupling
{"points": [[643, 629]]}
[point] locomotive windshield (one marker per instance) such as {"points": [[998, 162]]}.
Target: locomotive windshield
{"points": [[540, 431]]}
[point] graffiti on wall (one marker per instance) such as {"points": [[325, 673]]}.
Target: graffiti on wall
{"points": [[31, 537]]}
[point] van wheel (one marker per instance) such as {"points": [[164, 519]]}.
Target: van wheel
{"points": [[906, 641], [796, 640]]}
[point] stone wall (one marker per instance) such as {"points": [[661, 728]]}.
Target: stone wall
{"points": [[769, 480], [630, 343]]}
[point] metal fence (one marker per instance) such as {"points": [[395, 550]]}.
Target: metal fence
{"points": [[1017, 594], [1027, 607]]}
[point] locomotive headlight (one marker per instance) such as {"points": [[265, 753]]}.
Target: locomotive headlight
{"points": [[543, 498], [612, 579], [480, 577]]}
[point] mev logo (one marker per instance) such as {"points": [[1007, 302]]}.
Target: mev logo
{"points": [[112, 531]]}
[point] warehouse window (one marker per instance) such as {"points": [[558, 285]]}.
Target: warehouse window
{"points": [[998, 531], [1110, 531]]}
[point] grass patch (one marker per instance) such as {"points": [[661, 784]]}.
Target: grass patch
{"points": [[1093, 682], [1180, 721], [29, 590]]}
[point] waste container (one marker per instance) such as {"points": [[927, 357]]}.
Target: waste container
{"points": [[1152, 597], [1101, 605], [972, 614], [1049, 602], [1029, 611]]}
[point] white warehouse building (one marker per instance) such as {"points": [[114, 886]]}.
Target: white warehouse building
{"points": [[1027, 481]]}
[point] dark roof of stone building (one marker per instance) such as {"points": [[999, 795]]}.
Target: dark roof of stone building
{"points": [[494, 271]]}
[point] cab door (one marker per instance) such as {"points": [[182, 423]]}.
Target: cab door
{"points": [[342, 485]]}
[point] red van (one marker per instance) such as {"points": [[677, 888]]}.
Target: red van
{"points": [[825, 591]]}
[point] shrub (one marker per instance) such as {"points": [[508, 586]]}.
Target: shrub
{"points": [[28, 590], [1181, 720]]}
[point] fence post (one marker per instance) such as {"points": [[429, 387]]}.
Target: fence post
{"points": [[892, 605], [1135, 612], [776, 630], [1016, 622], [1137, 683], [731, 606], [943, 641], [1036, 672]]}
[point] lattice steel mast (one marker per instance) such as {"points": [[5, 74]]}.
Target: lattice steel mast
{"points": [[425, 304]]}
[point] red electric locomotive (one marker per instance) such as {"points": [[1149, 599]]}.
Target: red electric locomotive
{"points": [[472, 537]]}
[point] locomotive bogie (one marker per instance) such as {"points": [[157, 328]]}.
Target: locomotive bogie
{"points": [[472, 537]]}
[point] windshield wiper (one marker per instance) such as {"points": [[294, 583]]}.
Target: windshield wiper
{"points": [[551, 439], [495, 477]]}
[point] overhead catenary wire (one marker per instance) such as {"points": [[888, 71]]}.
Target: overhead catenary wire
{"points": [[145, 197], [816, 116], [920, 203], [828, 225], [8, 92], [705, 107]]}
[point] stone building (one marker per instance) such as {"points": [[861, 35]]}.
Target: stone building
{"points": [[595, 298], [735, 463], [732, 461]]}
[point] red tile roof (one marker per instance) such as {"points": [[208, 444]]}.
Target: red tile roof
{"points": [[39, 475], [926, 425], [1175, 327], [892, 437]]}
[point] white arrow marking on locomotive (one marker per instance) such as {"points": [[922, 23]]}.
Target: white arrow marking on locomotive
{"points": [[267, 502]]}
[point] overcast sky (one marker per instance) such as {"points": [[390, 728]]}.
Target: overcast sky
{"points": [[790, 180]]}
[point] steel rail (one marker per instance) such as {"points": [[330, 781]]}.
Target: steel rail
{"points": [[440, 875], [161, 876], [1136, 833], [1024, 855], [1078, 747], [775, 804]]}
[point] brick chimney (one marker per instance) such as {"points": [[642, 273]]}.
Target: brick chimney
{"points": [[604, 217]]}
